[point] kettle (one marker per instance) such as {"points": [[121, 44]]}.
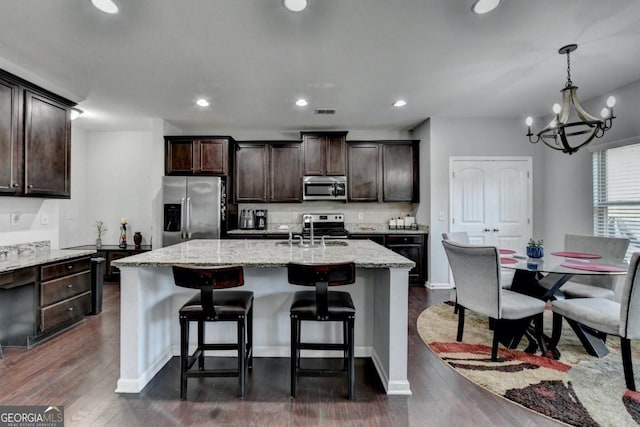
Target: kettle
{"points": [[247, 219]]}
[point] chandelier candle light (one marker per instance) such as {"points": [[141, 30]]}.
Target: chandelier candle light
{"points": [[560, 134]]}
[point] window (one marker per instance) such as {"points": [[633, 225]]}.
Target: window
{"points": [[616, 194]]}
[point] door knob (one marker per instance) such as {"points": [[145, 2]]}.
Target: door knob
{"points": [[495, 230], [487, 230]]}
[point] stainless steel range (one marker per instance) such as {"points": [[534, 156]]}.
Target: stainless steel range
{"points": [[330, 225]]}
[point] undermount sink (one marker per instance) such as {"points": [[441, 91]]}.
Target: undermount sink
{"points": [[318, 243]]}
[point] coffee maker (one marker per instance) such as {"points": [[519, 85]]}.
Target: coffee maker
{"points": [[261, 219], [247, 219]]}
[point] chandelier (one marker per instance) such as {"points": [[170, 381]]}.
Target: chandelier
{"points": [[563, 135]]}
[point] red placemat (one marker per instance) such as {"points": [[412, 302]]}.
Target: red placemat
{"points": [[593, 267], [577, 255], [505, 260], [506, 251]]}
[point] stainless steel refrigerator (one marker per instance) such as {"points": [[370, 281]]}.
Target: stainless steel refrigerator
{"points": [[193, 208]]}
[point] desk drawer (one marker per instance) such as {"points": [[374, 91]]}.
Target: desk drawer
{"points": [[72, 309], [64, 268], [65, 287]]}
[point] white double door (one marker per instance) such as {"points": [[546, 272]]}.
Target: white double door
{"points": [[491, 200]]}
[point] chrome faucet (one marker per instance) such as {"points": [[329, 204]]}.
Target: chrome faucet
{"points": [[290, 237], [322, 241], [311, 224]]}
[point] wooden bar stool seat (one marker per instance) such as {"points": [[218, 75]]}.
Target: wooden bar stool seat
{"points": [[212, 305], [322, 305]]}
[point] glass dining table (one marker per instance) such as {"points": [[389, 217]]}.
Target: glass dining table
{"points": [[544, 277]]}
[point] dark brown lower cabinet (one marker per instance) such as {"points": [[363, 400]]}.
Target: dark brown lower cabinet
{"points": [[414, 247]]}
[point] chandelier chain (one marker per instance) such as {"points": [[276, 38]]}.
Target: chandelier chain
{"points": [[569, 82]]}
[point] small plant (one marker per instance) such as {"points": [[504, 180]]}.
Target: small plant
{"points": [[100, 228], [533, 244]]}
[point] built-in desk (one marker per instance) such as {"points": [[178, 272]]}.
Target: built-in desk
{"points": [[111, 253]]}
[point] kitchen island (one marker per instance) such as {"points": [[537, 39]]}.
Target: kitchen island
{"points": [[149, 331]]}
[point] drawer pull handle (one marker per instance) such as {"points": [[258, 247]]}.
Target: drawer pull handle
{"points": [[69, 286], [70, 309], [69, 267]]}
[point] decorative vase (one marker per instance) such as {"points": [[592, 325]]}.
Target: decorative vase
{"points": [[137, 239], [98, 243], [535, 251], [123, 236]]}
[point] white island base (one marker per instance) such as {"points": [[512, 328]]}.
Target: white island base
{"points": [[150, 333]]}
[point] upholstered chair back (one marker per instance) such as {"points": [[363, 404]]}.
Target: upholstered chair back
{"points": [[457, 236], [630, 304], [476, 271], [613, 248]]}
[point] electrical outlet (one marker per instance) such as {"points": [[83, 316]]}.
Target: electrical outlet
{"points": [[44, 219], [360, 215], [14, 218], [441, 216]]}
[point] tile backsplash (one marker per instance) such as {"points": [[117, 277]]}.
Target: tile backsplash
{"points": [[354, 213]]}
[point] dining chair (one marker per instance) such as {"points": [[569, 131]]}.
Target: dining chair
{"points": [[594, 286], [609, 317], [476, 271]]}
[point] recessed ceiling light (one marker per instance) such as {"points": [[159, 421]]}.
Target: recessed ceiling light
{"points": [[202, 102], [400, 103], [295, 5], [301, 102], [484, 6], [107, 6], [75, 113]]}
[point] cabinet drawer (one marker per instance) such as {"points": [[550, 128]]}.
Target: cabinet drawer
{"points": [[15, 278], [400, 239], [72, 309], [65, 287], [64, 268]]}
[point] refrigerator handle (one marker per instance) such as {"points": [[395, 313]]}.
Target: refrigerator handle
{"points": [[188, 217], [182, 218]]}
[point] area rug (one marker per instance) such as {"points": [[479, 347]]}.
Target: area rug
{"points": [[577, 389]]}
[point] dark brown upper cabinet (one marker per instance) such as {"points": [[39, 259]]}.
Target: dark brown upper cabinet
{"points": [[363, 175], [383, 171], [268, 172], [324, 153], [35, 140], [11, 157], [400, 172], [196, 156]]}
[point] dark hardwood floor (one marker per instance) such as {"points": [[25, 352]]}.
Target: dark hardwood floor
{"points": [[79, 370]]}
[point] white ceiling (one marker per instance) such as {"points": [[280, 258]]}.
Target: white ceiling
{"points": [[252, 59]]}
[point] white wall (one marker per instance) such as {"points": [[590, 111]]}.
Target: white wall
{"points": [[120, 168], [449, 137]]}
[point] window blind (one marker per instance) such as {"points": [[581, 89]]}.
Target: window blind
{"points": [[616, 194]]}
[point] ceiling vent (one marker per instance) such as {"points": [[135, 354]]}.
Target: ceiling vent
{"points": [[325, 111]]}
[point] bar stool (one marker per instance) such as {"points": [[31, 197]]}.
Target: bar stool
{"points": [[322, 305], [214, 306]]}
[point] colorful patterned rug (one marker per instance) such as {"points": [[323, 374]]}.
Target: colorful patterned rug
{"points": [[577, 389]]}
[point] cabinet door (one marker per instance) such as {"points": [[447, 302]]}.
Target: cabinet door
{"points": [[314, 152], [10, 146], [285, 177], [47, 141], [363, 172], [336, 155], [251, 172], [179, 157], [211, 157], [398, 173], [414, 248]]}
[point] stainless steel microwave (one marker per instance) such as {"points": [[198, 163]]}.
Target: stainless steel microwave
{"points": [[324, 188]]}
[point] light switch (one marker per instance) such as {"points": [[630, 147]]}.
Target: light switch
{"points": [[441, 215], [44, 219], [14, 218]]}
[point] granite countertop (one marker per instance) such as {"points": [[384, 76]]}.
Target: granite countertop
{"points": [[351, 228], [31, 257], [265, 253]]}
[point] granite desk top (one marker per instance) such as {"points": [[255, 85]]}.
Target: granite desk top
{"points": [[266, 253], [29, 258]]}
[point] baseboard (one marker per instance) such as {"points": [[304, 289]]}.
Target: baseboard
{"points": [[391, 387], [431, 285], [137, 384]]}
